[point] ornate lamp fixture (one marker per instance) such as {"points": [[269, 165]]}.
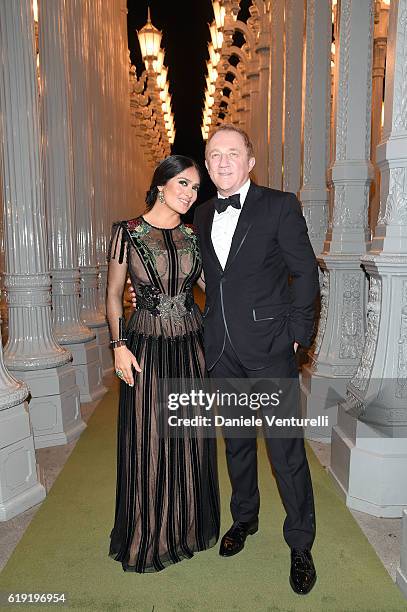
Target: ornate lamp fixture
{"points": [[150, 40], [162, 120], [214, 56], [220, 13], [217, 36]]}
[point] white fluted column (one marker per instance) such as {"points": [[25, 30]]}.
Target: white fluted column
{"points": [[261, 111], [239, 103], [80, 43], [314, 193], [371, 436], [31, 348], [104, 104], [334, 74], [254, 100], [294, 41], [60, 201], [379, 66], [107, 61], [128, 206], [246, 105], [276, 94], [250, 93], [101, 112], [19, 486], [3, 303], [314, 190], [339, 342]]}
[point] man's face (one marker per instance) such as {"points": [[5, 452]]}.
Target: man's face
{"points": [[227, 161]]}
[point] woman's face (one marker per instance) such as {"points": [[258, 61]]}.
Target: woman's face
{"points": [[181, 191]]}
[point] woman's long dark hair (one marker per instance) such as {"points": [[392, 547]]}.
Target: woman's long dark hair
{"points": [[166, 170]]}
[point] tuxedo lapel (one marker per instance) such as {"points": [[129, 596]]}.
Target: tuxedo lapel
{"points": [[207, 234], [244, 223]]}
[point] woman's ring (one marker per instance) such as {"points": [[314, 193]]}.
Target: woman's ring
{"points": [[119, 373]]}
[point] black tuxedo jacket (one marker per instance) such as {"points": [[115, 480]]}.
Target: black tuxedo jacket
{"points": [[264, 299]]}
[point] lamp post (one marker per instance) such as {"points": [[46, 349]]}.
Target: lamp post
{"points": [[161, 120], [150, 40]]}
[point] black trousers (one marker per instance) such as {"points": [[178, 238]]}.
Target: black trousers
{"points": [[287, 456]]}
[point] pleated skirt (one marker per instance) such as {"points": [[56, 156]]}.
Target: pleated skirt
{"points": [[167, 494]]}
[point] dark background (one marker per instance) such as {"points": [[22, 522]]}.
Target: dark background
{"points": [[185, 29]]}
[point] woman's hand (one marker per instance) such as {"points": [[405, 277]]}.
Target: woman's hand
{"points": [[132, 293], [124, 360]]}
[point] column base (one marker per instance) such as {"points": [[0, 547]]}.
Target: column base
{"points": [[369, 468], [401, 581], [401, 572], [88, 370], [19, 486], [319, 397], [54, 406], [105, 352], [20, 503]]}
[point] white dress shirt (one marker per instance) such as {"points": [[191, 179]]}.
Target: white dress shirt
{"points": [[224, 226]]}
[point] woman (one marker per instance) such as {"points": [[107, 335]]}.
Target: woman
{"points": [[167, 499]]}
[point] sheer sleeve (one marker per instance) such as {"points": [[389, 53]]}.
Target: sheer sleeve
{"points": [[116, 278]]}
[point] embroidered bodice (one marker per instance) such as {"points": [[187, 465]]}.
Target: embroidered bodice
{"points": [[163, 265]]}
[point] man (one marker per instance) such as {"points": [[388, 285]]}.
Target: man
{"points": [[261, 284]]}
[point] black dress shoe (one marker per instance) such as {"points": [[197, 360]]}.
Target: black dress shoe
{"points": [[234, 539], [303, 575]]}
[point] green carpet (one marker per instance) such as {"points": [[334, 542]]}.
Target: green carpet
{"points": [[65, 548]]}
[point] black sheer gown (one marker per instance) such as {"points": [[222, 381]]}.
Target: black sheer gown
{"points": [[167, 497]]}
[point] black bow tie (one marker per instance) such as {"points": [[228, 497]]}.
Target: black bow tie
{"points": [[221, 204]]}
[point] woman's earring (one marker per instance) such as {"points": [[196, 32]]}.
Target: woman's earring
{"points": [[161, 196]]}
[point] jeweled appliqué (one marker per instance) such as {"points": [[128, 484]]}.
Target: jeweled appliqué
{"points": [[169, 308]]}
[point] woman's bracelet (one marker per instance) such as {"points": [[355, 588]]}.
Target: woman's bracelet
{"points": [[120, 342]]}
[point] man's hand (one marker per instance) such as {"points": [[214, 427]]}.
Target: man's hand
{"points": [[132, 293]]}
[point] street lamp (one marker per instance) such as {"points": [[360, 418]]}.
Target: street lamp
{"points": [[162, 129], [162, 77], [150, 41], [217, 37], [220, 14], [164, 92], [166, 108], [213, 55], [212, 72], [159, 62], [210, 86]]}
